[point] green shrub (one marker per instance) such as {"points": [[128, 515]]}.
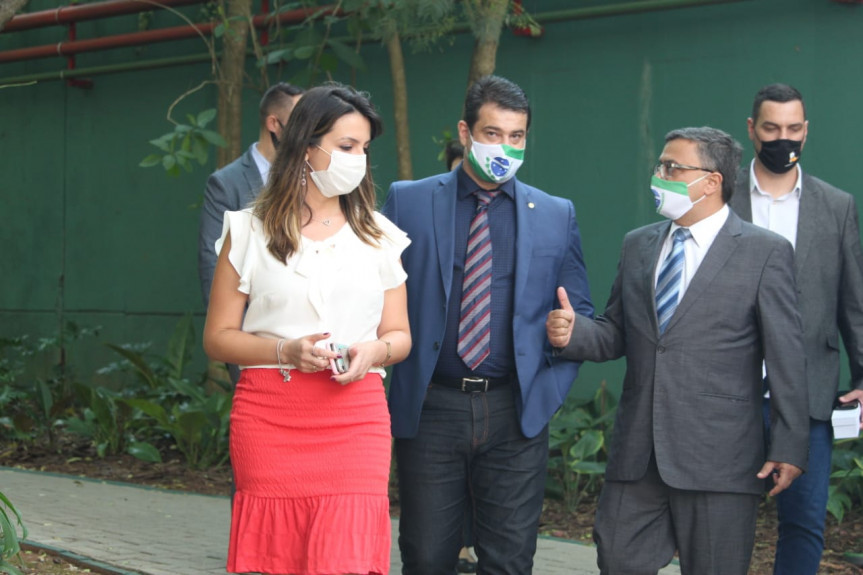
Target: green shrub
{"points": [[846, 478], [9, 540], [577, 446], [194, 419], [34, 401]]}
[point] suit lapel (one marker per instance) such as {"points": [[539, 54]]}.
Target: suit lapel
{"points": [[717, 256], [524, 223], [807, 222], [649, 258], [443, 213], [253, 179], [741, 201]]}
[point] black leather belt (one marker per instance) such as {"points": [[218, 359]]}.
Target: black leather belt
{"points": [[473, 384]]}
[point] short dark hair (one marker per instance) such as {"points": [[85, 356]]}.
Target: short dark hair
{"points": [[452, 151], [494, 90], [277, 97], [718, 152], [776, 93]]}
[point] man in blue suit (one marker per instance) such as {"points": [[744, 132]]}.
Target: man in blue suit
{"points": [[470, 406]]}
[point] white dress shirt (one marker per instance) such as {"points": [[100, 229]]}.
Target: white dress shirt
{"points": [[778, 215], [261, 162], [695, 248]]}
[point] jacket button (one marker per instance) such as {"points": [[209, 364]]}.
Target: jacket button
{"points": [[436, 346], [660, 349]]}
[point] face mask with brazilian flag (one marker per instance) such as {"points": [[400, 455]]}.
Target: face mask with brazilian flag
{"points": [[495, 163], [672, 198]]}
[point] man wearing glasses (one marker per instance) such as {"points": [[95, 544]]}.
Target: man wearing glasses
{"points": [[821, 222], [698, 303]]}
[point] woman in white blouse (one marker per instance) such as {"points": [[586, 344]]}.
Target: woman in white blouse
{"points": [[308, 265]]}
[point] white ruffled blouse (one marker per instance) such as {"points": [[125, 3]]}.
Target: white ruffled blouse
{"points": [[336, 285]]}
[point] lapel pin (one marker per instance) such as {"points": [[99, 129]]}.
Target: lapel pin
{"points": [[531, 205]]}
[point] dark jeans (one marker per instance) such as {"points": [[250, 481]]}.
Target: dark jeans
{"points": [[802, 508], [470, 448]]}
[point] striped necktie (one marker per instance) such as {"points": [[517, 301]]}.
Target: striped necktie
{"points": [[474, 326], [669, 282]]}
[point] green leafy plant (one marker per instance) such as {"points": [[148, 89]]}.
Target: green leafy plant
{"points": [[108, 422], [195, 419], [10, 522], [34, 400], [577, 446], [846, 478], [185, 144]]}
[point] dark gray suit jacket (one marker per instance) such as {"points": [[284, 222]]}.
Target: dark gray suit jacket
{"points": [[231, 188], [829, 272], [693, 394]]}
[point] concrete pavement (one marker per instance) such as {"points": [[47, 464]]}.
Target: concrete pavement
{"points": [[150, 531]]}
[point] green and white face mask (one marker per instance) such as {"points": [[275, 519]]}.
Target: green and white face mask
{"points": [[495, 163], [672, 198]]}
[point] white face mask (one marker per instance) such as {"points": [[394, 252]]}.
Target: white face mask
{"points": [[672, 198], [495, 163], [344, 175]]}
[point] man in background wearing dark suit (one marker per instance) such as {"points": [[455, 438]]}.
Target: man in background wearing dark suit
{"points": [[699, 302], [821, 222], [233, 187]]}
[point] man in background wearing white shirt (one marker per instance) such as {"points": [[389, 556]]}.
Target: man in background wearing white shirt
{"points": [[820, 221]]}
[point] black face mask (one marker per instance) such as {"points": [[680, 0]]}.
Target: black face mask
{"points": [[779, 156]]}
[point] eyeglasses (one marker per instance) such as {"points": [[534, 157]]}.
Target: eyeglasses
{"points": [[668, 169]]}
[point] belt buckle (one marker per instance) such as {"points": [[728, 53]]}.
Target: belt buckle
{"points": [[466, 380]]}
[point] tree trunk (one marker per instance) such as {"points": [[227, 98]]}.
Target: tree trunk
{"points": [[231, 80], [9, 8], [483, 59], [400, 105], [486, 22]]}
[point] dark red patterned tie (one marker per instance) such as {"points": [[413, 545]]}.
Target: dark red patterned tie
{"points": [[474, 326]]}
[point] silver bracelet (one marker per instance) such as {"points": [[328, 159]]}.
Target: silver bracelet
{"points": [[286, 373]]}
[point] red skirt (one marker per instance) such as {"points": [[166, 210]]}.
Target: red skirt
{"points": [[311, 461]]}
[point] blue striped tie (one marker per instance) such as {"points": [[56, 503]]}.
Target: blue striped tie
{"points": [[474, 326], [668, 284]]}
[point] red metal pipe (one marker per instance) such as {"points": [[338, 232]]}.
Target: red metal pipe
{"points": [[291, 16], [94, 11], [146, 37], [94, 44]]}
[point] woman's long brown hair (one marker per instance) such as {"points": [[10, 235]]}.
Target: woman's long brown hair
{"points": [[280, 205]]}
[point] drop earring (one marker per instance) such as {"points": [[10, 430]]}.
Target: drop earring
{"points": [[303, 179]]}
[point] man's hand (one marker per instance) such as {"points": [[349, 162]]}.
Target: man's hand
{"points": [[783, 475], [559, 323], [851, 396]]}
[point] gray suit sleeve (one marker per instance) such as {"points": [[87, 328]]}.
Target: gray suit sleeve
{"points": [[603, 338], [216, 203], [782, 338], [850, 308]]}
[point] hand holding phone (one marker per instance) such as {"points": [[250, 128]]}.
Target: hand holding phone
{"points": [[341, 364]]}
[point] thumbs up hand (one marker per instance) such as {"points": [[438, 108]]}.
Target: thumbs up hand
{"points": [[559, 323]]}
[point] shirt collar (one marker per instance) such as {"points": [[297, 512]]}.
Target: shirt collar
{"points": [[755, 189], [466, 185], [704, 231], [261, 162]]}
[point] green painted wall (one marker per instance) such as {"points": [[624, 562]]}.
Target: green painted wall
{"points": [[91, 236]]}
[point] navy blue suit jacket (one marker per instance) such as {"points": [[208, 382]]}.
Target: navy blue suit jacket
{"points": [[548, 254]]}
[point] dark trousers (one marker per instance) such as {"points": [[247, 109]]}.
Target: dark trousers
{"points": [[802, 508], [639, 525], [470, 449]]}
